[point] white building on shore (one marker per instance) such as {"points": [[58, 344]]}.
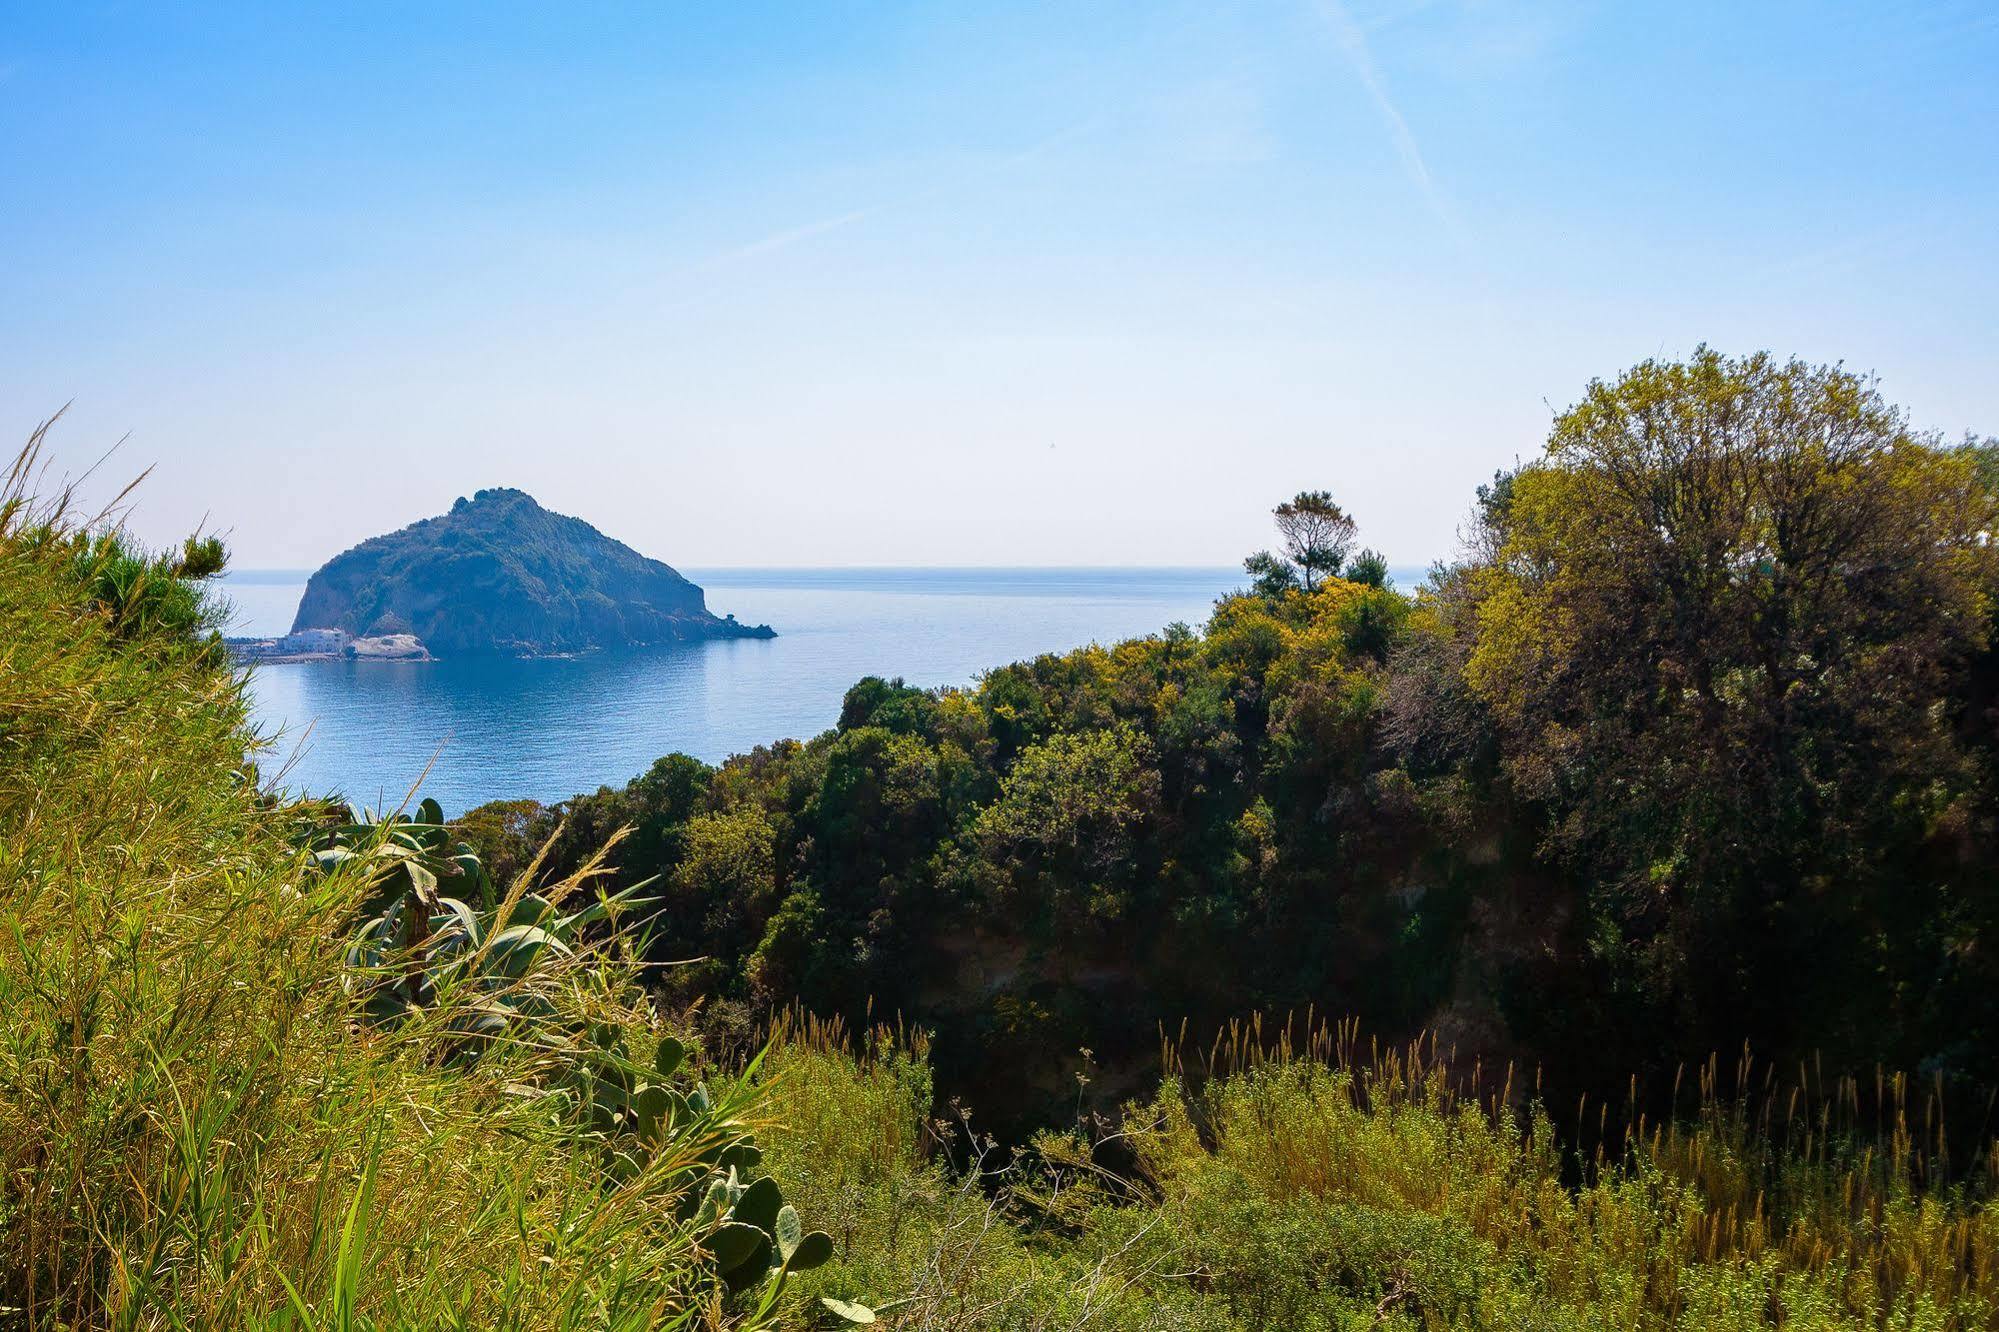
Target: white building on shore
{"points": [[315, 640]]}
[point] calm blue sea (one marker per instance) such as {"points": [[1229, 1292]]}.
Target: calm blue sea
{"points": [[488, 729], [472, 730]]}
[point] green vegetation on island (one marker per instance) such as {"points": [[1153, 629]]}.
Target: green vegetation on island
{"points": [[499, 573], [1695, 750]]}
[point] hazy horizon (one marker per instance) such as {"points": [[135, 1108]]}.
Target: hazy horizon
{"points": [[993, 286]]}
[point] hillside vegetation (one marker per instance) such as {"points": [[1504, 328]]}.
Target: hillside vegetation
{"points": [[208, 1116], [1302, 1180], [1694, 747]]}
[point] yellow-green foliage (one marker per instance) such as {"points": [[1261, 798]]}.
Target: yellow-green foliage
{"points": [[194, 1131], [1307, 1188], [932, 1222]]}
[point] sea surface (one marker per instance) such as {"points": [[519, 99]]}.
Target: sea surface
{"points": [[472, 729]]}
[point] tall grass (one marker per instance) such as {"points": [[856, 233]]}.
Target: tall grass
{"points": [[1296, 1176], [1833, 1188], [946, 1226], [195, 1132]]}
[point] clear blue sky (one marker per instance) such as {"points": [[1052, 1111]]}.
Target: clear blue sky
{"points": [[954, 283]]}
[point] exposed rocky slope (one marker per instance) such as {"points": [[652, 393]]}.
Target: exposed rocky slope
{"points": [[501, 574]]}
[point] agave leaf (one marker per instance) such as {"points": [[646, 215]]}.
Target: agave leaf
{"points": [[486, 1019], [366, 949], [606, 906], [422, 880], [331, 859], [455, 925], [532, 909], [518, 947], [386, 1004]]}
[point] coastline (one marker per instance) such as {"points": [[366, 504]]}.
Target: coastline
{"points": [[318, 646]]}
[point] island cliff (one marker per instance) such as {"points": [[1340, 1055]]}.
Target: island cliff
{"points": [[501, 574]]}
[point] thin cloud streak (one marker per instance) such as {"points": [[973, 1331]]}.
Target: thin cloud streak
{"points": [[1353, 41], [780, 240]]}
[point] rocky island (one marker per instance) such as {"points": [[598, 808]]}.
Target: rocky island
{"points": [[500, 574]]}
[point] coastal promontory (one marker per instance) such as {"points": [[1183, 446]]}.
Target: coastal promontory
{"points": [[500, 574]]}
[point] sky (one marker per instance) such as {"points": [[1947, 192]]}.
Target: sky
{"points": [[952, 283]]}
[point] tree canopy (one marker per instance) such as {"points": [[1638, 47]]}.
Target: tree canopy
{"points": [[1317, 534], [1696, 743]]}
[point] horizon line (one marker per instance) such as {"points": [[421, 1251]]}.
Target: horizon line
{"points": [[268, 570]]}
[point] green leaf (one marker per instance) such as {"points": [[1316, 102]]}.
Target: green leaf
{"points": [[532, 909], [422, 881], [847, 1309], [454, 924], [813, 1249], [759, 1204], [516, 948], [668, 1057], [742, 1254], [739, 1156], [651, 1104], [788, 1231], [604, 908], [734, 1244], [712, 1204]]}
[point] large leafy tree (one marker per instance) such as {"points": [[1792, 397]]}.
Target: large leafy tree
{"points": [[1719, 625]]}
